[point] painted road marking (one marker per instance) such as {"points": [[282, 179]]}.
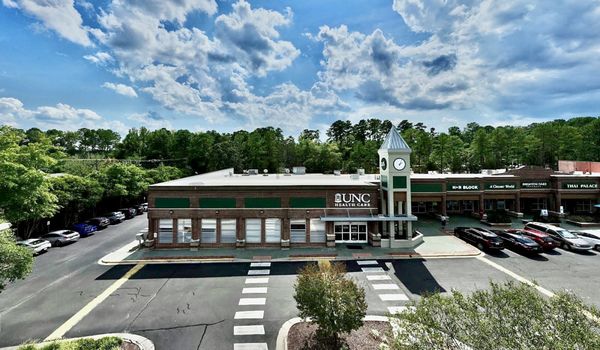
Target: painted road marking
{"points": [[249, 330], [252, 301], [519, 278], [387, 286], [372, 269], [250, 346], [260, 264], [257, 280], [367, 262], [258, 272], [393, 297], [75, 319], [378, 277], [258, 290], [249, 315]]}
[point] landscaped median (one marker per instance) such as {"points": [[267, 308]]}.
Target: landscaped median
{"points": [[113, 341]]}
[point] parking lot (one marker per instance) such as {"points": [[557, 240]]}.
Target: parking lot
{"points": [[216, 305]]}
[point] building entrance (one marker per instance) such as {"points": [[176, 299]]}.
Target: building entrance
{"points": [[350, 232]]}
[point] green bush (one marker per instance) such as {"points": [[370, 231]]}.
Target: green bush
{"points": [[582, 218], [108, 343], [332, 301], [507, 316], [498, 216]]}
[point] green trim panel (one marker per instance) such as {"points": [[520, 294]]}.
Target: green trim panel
{"points": [[462, 187], [384, 181], [217, 203], [426, 187], [399, 182], [580, 185], [308, 202], [272, 202], [172, 202], [500, 186]]}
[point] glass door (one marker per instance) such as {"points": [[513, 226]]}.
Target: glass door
{"points": [[355, 232]]}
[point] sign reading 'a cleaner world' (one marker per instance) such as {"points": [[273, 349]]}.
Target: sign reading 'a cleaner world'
{"points": [[352, 200]]}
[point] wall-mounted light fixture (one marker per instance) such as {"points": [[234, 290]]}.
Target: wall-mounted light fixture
{"points": [[308, 211], [171, 212], [216, 212], [262, 211]]}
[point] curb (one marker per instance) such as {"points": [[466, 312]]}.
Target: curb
{"points": [[142, 342], [281, 343]]}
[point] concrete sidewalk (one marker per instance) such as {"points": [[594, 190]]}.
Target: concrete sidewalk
{"points": [[432, 247]]}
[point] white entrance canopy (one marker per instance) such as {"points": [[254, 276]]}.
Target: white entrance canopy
{"points": [[370, 218]]}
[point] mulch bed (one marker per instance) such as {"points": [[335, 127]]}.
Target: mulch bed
{"points": [[129, 346], [301, 337], [180, 257], [324, 255]]}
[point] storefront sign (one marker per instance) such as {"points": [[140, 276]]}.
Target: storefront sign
{"points": [[580, 186], [501, 186], [463, 187], [534, 184], [352, 200]]}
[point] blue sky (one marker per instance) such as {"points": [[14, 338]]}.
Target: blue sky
{"points": [[228, 65]]}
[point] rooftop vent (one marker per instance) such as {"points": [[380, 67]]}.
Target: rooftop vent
{"points": [[265, 172], [252, 171], [337, 172], [299, 170], [360, 171], [245, 172], [287, 172]]}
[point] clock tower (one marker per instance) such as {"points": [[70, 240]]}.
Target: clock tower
{"points": [[394, 170]]}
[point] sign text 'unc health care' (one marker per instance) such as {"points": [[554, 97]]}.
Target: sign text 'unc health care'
{"points": [[352, 200]]}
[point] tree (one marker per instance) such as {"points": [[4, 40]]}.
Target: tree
{"points": [[507, 316], [15, 261], [123, 180], [331, 300], [163, 173], [75, 194]]}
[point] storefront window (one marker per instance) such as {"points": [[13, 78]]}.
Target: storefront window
{"points": [[584, 206], [165, 232], [253, 230], [419, 207], [488, 204], [298, 231], [228, 230], [209, 231], [273, 230], [500, 205], [467, 205], [184, 230], [452, 206], [317, 231]]}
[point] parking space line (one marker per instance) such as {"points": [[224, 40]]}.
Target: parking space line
{"points": [[260, 264], [249, 315], [75, 319], [258, 272], [367, 262], [257, 290], [393, 297], [378, 277], [519, 278], [372, 269], [387, 286], [249, 330], [257, 280], [252, 301], [250, 346]]}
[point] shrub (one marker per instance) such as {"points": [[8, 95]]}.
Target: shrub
{"points": [[498, 216], [508, 316], [108, 343], [582, 218], [333, 302]]}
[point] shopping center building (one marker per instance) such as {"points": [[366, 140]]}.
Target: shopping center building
{"points": [[294, 209]]}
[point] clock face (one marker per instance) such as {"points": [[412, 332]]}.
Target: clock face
{"points": [[383, 163], [399, 164]]}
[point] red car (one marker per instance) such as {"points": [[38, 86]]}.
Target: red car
{"points": [[541, 238]]}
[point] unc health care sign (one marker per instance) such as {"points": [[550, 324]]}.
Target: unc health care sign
{"points": [[580, 185], [352, 200]]}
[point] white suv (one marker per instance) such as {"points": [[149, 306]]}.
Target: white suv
{"points": [[567, 240]]}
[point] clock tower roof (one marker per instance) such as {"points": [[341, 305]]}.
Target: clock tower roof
{"points": [[393, 141]]}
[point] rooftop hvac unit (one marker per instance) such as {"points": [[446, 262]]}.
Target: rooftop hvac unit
{"points": [[245, 172], [299, 170], [252, 171], [360, 171], [337, 172], [287, 172]]}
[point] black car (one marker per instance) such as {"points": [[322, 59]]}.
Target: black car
{"points": [[100, 222], [139, 209], [115, 217], [129, 213], [519, 242], [481, 238]]}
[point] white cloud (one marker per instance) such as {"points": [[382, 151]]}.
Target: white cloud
{"points": [[99, 58], [57, 15], [121, 89]]}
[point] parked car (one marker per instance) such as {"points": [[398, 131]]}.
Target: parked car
{"points": [[61, 237], [100, 222], [128, 212], [115, 217], [483, 239], [566, 239], [139, 209], [145, 205], [36, 245], [593, 238], [518, 242], [84, 230], [539, 237]]}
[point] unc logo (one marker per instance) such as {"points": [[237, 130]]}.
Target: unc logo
{"points": [[338, 198], [352, 199]]}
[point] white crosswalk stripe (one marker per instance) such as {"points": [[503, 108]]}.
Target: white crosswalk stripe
{"points": [[378, 277], [367, 262], [371, 269], [257, 280], [249, 330], [249, 315], [388, 286], [257, 290], [260, 264], [250, 346], [252, 301], [393, 297], [258, 272]]}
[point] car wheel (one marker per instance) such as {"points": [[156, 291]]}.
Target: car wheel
{"points": [[565, 246], [479, 246]]}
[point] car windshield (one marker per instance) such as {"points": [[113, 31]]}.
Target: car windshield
{"points": [[566, 234], [39, 241], [524, 240]]}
